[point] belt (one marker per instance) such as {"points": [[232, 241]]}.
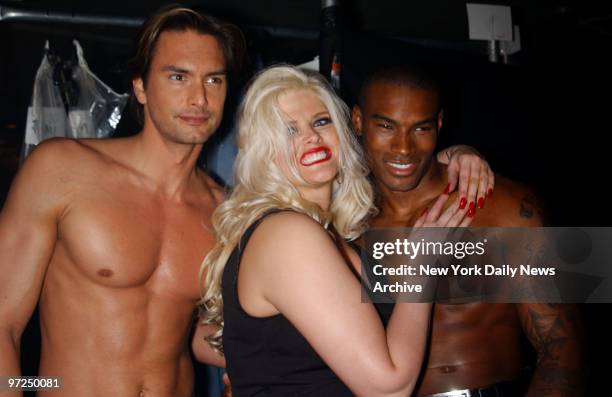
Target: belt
{"points": [[502, 389]]}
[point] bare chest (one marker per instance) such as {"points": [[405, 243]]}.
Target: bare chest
{"points": [[125, 239]]}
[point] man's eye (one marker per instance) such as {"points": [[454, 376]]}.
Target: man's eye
{"points": [[177, 77], [423, 129], [386, 126], [322, 122], [214, 80]]}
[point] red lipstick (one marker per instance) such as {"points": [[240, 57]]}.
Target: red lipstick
{"points": [[315, 155]]}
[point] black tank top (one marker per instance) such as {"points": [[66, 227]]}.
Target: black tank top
{"points": [[267, 356]]}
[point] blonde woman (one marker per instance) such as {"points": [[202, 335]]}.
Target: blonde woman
{"points": [[280, 281]]}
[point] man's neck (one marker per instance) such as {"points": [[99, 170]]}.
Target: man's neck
{"points": [[403, 205], [170, 166]]}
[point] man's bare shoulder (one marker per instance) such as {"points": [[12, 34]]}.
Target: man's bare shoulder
{"points": [[513, 204], [52, 160], [49, 175], [60, 164], [65, 152], [217, 191], [53, 149]]}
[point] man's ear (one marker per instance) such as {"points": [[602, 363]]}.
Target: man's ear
{"points": [[356, 119], [440, 119], [139, 90]]}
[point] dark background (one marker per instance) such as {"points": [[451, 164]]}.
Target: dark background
{"points": [[541, 119]]}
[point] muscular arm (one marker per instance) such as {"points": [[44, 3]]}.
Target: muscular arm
{"points": [[28, 228], [556, 332]]}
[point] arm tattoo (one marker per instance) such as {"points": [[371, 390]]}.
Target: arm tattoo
{"points": [[553, 330], [548, 332]]}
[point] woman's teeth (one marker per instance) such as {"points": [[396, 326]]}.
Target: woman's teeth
{"points": [[314, 157]]}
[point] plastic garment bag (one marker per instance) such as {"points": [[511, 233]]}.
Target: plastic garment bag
{"points": [[47, 114], [79, 106], [97, 108]]}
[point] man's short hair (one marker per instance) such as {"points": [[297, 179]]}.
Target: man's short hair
{"points": [[411, 75], [179, 19]]}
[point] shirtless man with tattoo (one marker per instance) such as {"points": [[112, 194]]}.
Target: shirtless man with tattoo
{"points": [[107, 236], [474, 346]]}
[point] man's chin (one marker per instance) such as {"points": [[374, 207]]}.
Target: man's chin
{"points": [[193, 137], [401, 186]]}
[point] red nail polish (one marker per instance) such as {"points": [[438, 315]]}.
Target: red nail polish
{"points": [[447, 190], [424, 211], [471, 209], [481, 202], [462, 203], [489, 192]]}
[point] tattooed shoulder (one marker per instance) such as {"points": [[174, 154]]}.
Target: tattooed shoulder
{"points": [[530, 206]]}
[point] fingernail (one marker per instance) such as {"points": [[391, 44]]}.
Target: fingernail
{"points": [[424, 211], [489, 192], [447, 190], [462, 203], [481, 202], [471, 209]]}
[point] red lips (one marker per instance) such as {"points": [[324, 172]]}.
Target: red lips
{"points": [[319, 154]]}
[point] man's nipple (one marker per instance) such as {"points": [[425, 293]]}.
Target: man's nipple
{"points": [[105, 273]]}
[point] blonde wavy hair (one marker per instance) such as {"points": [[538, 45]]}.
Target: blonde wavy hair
{"points": [[260, 185]]}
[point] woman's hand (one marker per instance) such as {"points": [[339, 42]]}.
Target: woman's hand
{"points": [[452, 216], [471, 171]]}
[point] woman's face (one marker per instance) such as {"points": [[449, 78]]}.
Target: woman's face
{"points": [[314, 138]]}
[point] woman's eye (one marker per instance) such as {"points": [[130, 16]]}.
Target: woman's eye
{"points": [[322, 122], [292, 130]]}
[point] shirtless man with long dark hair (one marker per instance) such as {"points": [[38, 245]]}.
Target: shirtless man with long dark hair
{"points": [[107, 236]]}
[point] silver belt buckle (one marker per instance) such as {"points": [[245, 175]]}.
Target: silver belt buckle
{"points": [[453, 393]]}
